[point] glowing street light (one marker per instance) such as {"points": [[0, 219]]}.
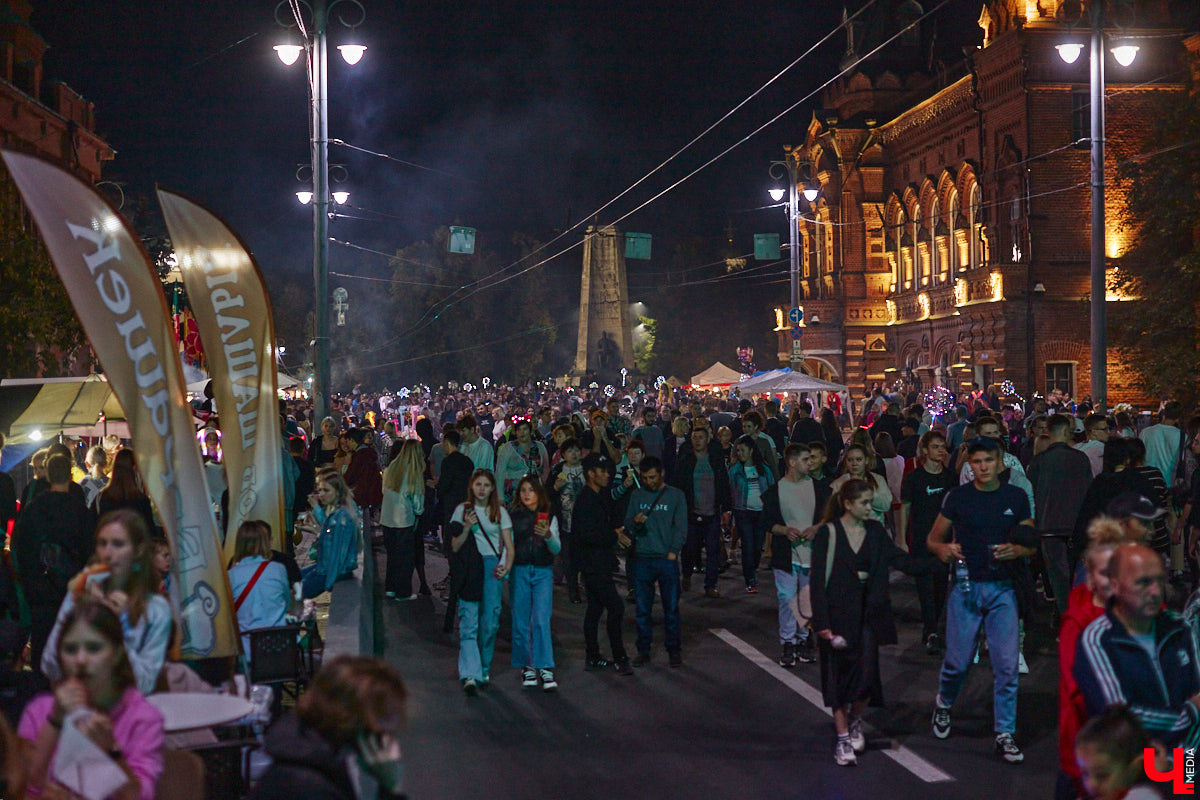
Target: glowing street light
{"points": [[776, 194], [317, 63], [1125, 54], [1069, 52]]}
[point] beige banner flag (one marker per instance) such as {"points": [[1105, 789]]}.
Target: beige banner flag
{"points": [[229, 300], [119, 301]]}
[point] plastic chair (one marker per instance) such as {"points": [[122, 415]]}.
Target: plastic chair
{"points": [[226, 769], [276, 659]]}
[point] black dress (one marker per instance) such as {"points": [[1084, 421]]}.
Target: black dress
{"points": [[857, 610]]}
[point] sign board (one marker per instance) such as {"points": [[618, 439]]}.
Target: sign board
{"points": [[637, 245], [797, 350], [796, 315], [797, 331], [462, 240], [766, 247]]}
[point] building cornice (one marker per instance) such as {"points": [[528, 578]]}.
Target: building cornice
{"points": [[954, 99]]}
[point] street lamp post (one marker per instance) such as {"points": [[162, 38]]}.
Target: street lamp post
{"points": [[1124, 54], [318, 65], [790, 166]]}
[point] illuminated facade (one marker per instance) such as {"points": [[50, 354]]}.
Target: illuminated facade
{"points": [[950, 241]]}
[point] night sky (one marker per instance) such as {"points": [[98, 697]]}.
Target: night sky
{"points": [[546, 110]]}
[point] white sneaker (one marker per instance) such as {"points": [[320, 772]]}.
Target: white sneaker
{"points": [[1022, 667], [528, 677], [843, 754], [857, 740], [548, 682]]}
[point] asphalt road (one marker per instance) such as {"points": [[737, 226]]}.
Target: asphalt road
{"points": [[730, 723]]}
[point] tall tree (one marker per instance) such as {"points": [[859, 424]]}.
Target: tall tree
{"points": [[39, 334], [1162, 266]]}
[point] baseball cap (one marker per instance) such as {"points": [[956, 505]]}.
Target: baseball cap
{"points": [[1132, 504]]}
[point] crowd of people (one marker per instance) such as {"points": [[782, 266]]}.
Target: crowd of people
{"points": [[88, 630], [985, 505]]}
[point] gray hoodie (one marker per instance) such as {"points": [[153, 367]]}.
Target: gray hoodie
{"points": [[666, 523]]}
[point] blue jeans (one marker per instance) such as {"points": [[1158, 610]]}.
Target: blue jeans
{"points": [[312, 581], [478, 622], [665, 573], [788, 584], [704, 531], [753, 531], [532, 596], [994, 605]]}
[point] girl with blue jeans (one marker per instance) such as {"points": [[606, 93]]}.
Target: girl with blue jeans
{"points": [[483, 518], [749, 479], [535, 543], [337, 544]]}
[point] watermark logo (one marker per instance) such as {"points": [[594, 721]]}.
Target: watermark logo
{"points": [[1183, 770]]}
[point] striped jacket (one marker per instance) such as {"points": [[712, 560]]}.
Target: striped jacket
{"points": [[1111, 667]]}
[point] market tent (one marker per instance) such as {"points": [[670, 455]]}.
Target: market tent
{"points": [[282, 381], [795, 382], [717, 375], [37, 409], [751, 384], [674, 382]]}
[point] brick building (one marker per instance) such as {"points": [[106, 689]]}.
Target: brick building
{"points": [[950, 240], [46, 118]]}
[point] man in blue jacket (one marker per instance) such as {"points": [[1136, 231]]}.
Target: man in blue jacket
{"points": [[1141, 655]]}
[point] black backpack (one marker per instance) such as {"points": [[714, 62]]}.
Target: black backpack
{"points": [[58, 565]]}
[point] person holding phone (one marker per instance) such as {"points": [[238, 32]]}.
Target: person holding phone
{"points": [[346, 725], [488, 527], [535, 543]]}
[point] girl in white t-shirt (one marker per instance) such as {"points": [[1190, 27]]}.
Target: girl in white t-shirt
{"points": [[478, 620]]}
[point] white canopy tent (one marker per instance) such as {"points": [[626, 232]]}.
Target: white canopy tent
{"points": [[793, 382], [717, 375]]}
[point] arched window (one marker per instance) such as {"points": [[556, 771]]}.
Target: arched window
{"points": [[920, 248], [952, 243], [935, 260], [975, 228]]}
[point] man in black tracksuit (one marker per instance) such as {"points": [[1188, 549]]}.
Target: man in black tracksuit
{"points": [[596, 541]]}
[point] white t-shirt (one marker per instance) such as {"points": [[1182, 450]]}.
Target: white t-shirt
{"points": [[798, 504], [487, 538]]}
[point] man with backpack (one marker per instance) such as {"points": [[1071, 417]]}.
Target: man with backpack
{"points": [[51, 543]]}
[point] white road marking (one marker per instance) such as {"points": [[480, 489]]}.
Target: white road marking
{"points": [[901, 755]]}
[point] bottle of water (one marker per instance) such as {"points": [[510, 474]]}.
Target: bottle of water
{"points": [[961, 576]]}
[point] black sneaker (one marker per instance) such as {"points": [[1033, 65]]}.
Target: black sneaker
{"points": [[805, 651], [623, 667], [675, 659], [594, 664], [641, 660], [1007, 749], [941, 722], [933, 645], [788, 657]]}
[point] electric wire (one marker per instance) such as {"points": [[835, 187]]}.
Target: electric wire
{"points": [[449, 302]]}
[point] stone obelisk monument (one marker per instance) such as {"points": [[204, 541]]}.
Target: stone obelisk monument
{"points": [[605, 338]]}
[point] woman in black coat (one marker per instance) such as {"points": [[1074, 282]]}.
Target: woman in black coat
{"points": [[852, 612], [352, 711]]}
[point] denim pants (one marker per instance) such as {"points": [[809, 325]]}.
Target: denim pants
{"points": [[753, 531], [665, 573], [478, 621], [994, 605], [703, 531], [312, 582], [532, 595], [788, 584]]}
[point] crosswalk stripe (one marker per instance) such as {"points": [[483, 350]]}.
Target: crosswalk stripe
{"points": [[901, 755]]}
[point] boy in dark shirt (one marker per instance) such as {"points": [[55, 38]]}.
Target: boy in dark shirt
{"points": [[921, 496]]}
